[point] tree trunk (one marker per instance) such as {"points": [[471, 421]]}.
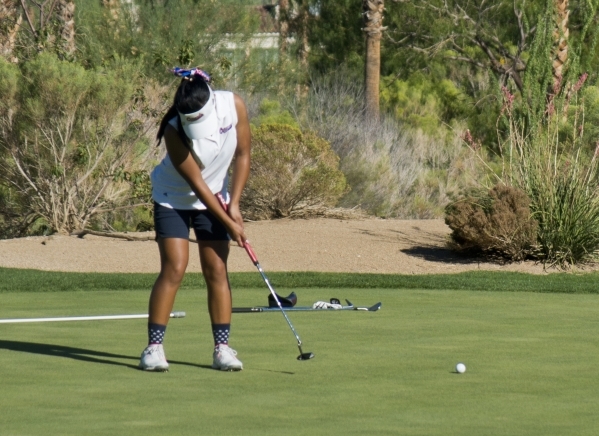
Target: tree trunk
{"points": [[303, 22], [65, 12], [283, 25], [10, 22], [560, 47], [373, 27]]}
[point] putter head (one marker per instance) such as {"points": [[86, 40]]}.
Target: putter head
{"points": [[306, 356]]}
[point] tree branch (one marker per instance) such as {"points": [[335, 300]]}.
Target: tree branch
{"points": [[24, 6], [118, 235]]}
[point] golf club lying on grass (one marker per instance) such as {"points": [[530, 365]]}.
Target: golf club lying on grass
{"points": [[350, 306], [83, 318], [252, 255]]}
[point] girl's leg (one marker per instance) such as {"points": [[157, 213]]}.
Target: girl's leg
{"points": [[213, 257], [174, 255]]}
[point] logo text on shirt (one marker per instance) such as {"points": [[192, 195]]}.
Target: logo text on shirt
{"points": [[225, 129]]}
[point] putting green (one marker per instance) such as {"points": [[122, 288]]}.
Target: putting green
{"points": [[531, 366]]}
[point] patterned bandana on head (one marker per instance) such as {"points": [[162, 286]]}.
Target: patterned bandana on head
{"points": [[189, 73]]}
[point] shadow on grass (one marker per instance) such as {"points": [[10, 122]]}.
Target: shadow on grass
{"points": [[82, 354]]}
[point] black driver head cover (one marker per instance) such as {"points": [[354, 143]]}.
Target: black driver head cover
{"points": [[288, 301]]}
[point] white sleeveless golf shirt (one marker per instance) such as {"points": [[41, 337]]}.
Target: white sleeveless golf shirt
{"points": [[213, 155]]}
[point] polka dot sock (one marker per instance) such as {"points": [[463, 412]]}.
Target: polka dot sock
{"points": [[156, 333], [221, 333]]}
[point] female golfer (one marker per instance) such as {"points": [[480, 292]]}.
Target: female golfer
{"points": [[203, 131]]}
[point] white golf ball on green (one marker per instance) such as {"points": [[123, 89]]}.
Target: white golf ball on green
{"points": [[460, 368]]}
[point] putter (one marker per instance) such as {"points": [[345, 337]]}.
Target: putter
{"points": [[83, 318], [303, 356]]}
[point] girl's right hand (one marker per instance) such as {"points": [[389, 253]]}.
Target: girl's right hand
{"points": [[236, 232]]}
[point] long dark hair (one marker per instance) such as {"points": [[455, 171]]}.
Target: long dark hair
{"points": [[191, 96]]}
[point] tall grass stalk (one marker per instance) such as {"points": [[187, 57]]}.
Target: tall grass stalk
{"points": [[560, 175]]}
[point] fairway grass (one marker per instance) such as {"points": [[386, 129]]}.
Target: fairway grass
{"points": [[531, 366]]}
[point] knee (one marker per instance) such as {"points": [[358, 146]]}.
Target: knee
{"points": [[174, 271], [214, 273]]}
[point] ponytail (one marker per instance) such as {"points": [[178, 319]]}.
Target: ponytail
{"points": [[170, 114]]}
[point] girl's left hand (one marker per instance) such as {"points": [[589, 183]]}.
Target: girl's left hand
{"points": [[235, 214]]}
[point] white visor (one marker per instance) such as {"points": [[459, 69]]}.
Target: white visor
{"points": [[203, 123]]}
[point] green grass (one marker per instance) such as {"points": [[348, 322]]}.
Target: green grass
{"points": [[531, 358], [19, 280]]}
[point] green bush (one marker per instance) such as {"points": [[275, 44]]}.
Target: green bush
{"points": [[290, 171], [499, 222]]}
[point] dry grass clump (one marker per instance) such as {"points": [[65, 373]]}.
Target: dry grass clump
{"points": [[499, 223]]}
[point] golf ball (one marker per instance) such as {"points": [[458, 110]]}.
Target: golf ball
{"points": [[460, 368]]}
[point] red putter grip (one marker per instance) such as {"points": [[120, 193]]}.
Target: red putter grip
{"points": [[246, 244], [221, 200], [250, 252]]}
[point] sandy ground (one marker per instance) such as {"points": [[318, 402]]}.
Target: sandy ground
{"points": [[365, 246]]}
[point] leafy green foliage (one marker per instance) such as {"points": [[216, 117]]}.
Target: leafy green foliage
{"points": [[437, 80], [290, 171], [162, 34], [9, 77], [336, 36], [270, 112], [424, 104]]}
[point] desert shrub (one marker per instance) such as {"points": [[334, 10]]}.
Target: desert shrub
{"points": [[561, 176], [290, 170], [75, 142], [499, 222], [393, 169], [548, 158]]}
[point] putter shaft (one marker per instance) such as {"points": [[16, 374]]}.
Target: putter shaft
{"points": [[254, 258]]}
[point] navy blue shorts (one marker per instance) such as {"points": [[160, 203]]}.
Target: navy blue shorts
{"points": [[175, 223]]}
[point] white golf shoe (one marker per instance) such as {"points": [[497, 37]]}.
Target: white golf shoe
{"points": [[153, 358], [225, 359]]}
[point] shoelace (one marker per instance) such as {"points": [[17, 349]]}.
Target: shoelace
{"points": [[155, 349], [228, 350]]}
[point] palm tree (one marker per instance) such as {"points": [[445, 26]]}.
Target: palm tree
{"points": [[10, 22], [560, 45], [373, 28], [283, 25]]}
